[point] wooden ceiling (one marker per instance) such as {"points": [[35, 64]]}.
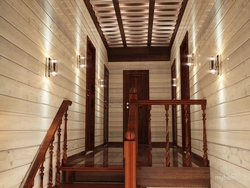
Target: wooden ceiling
{"points": [[141, 30]]}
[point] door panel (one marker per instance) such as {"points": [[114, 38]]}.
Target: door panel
{"points": [[174, 107], [140, 80], [90, 97], [185, 90], [106, 104]]}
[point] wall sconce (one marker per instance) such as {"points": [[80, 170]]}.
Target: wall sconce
{"points": [[190, 59], [80, 61], [174, 82], [51, 67], [101, 83], [214, 65]]}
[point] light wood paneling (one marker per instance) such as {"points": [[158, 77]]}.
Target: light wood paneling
{"points": [[220, 27], [30, 32]]}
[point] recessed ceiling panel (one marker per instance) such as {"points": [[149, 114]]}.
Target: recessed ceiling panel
{"points": [[129, 23]]}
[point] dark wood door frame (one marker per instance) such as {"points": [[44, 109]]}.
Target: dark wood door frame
{"points": [[106, 106], [185, 88], [140, 80], [174, 107], [90, 97]]}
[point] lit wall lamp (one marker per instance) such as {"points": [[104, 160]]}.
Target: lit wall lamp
{"points": [[101, 83], [190, 59], [51, 67], [214, 65], [80, 61], [174, 82]]}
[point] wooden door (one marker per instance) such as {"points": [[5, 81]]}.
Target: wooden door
{"points": [[106, 104], [174, 107], [140, 80], [90, 97], [185, 90]]}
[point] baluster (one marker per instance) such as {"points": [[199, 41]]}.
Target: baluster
{"points": [[167, 137], [149, 107], [187, 157], [50, 184], [41, 175], [65, 147], [205, 158], [58, 156]]}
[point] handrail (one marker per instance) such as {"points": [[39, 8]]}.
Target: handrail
{"points": [[39, 158], [134, 103]]}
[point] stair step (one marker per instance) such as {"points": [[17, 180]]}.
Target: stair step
{"points": [[91, 185], [99, 174], [81, 168], [173, 177]]}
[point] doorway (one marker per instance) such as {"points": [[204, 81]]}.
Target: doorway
{"points": [[90, 97], [185, 89], [140, 80], [174, 107], [106, 105]]}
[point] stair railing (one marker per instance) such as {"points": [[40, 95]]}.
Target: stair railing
{"points": [[167, 103], [47, 144]]}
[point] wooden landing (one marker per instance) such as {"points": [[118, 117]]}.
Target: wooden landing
{"points": [[174, 177]]}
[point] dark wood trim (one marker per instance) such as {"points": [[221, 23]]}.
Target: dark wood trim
{"points": [[119, 20], [150, 20], [95, 20], [183, 7], [139, 54]]}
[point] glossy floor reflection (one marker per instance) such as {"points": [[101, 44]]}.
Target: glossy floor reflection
{"points": [[113, 157]]}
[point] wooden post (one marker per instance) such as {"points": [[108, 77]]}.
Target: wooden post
{"points": [[149, 107], [130, 164], [41, 175], [167, 137], [65, 147], [58, 158], [187, 156], [133, 116], [205, 157], [50, 184]]}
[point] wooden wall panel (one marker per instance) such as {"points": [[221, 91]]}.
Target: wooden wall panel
{"points": [[220, 28], [159, 88], [30, 32]]}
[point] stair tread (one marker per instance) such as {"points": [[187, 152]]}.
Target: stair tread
{"points": [[95, 168], [88, 185]]}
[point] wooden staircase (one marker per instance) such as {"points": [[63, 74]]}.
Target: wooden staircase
{"points": [[131, 175]]}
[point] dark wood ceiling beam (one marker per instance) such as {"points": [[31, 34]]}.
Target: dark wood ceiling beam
{"points": [[94, 18], [150, 21], [139, 54], [119, 20], [183, 7]]}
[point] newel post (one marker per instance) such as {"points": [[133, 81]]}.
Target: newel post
{"points": [[131, 143], [133, 115]]}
